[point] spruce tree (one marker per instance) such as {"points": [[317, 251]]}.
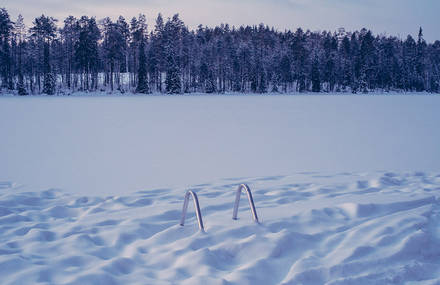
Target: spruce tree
{"points": [[172, 80], [157, 54], [207, 79], [69, 35], [142, 86], [262, 82], [420, 62], [218, 59], [5, 54], [285, 72], [114, 48], [316, 81], [49, 78], [173, 49], [345, 73], [44, 30], [86, 51], [19, 30]]}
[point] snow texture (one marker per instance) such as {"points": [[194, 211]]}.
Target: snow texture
{"points": [[316, 228], [328, 213]]}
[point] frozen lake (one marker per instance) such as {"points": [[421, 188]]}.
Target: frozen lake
{"points": [[119, 145], [346, 189]]}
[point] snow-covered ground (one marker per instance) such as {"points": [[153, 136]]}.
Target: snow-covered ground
{"points": [[333, 228], [347, 190]]}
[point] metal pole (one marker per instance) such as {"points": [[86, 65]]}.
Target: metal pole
{"points": [[251, 202], [197, 209]]}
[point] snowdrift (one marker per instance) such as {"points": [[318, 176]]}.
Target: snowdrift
{"points": [[315, 228]]}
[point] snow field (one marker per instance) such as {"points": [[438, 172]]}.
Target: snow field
{"points": [[123, 165], [118, 145], [316, 228]]}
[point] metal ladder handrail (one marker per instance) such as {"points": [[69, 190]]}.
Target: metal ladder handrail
{"points": [[251, 202], [196, 206]]}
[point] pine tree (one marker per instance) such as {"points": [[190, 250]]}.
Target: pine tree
{"points": [[157, 55], [49, 79], [330, 47], [138, 31], [409, 54], [300, 55], [5, 53], [315, 76], [262, 82], [20, 34], [173, 41], [114, 46], [86, 52], [356, 63], [70, 36], [345, 73], [44, 30], [218, 59], [207, 78], [142, 86], [420, 62], [285, 72], [172, 80]]}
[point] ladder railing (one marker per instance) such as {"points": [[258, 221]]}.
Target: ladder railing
{"points": [[236, 204], [251, 202], [197, 209]]}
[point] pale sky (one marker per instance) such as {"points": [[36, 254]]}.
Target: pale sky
{"points": [[392, 17]]}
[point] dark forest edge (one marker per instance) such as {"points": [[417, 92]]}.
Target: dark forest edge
{"points": [[88, 56]]}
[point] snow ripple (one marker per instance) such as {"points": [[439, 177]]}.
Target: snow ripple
{"points": [[348, 228]]}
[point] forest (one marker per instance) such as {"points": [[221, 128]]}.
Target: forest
{"points": [[89, 55]]}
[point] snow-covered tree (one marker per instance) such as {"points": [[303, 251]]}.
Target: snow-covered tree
{"points": [[44, 30], [5, 51]]}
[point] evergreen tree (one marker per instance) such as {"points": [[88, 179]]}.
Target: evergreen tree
{"points": [[316, 81], [5, 53], [156, 56], [49, 78], [434, 59], [114, 48], [20, 33], [142, 86], [285, 72], [330, 47], [172, 80], [299, 53], [345, 73], [368, 61], [420, 83], [173, 41], [219, 59], [356, 64], [409, 64], [138, 31], [86, 52], [44, 30], [70, 36]]}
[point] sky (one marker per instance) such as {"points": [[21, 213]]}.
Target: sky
{"points": [[390, 17]]}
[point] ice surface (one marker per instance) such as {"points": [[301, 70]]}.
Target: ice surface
{"points": [[118, 145]]}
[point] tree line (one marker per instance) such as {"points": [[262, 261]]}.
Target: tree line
{"points": [[83, 54]]}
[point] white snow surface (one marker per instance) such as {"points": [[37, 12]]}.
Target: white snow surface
{"points": [[347, 189], [315, 228], [118, 145]]}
